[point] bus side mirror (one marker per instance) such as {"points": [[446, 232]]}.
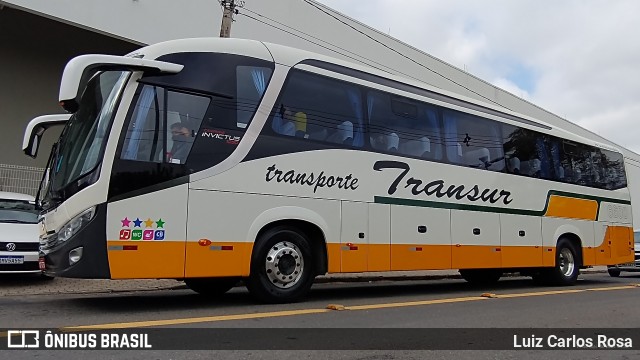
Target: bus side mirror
{"points": [[37, 127]]}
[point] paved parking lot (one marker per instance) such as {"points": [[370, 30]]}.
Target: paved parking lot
{"points": [[35, 285]]}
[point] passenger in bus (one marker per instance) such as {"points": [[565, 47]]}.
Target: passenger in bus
{"points": [[385, 142], [182, 138], [290, 123]]}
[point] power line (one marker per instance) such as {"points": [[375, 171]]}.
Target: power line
{"points": [[389, 69], [313, 42], [401, 54]]}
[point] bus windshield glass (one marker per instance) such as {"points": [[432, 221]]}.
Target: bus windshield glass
{"points": [[82, 141]]}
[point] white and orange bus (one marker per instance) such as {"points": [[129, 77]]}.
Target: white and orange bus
{"points": [[215, 160]]}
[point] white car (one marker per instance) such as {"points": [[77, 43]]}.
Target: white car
{"points": [[614, 271], [19, 243]]}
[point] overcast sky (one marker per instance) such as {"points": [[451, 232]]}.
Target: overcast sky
{"points": [[579, 59]]}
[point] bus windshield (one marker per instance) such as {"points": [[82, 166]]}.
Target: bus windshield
{"points": [[82, 141]]}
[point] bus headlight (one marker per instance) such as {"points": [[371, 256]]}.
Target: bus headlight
{"points": [[77, 223]]}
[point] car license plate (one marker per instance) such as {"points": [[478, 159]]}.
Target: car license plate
{"points": [[11, 259]]}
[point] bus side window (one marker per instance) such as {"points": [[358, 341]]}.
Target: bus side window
{"points": [[317, 108], [525, 152], [150, 127], [478, 139], [142, 140]]}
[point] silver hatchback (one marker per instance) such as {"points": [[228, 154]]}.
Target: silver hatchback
{"points": [[634, 266], [19, 242]]}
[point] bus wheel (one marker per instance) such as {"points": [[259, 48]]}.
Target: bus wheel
{"points": [[567, 264], [481, 276], [613, 272], [281, 266], [211, 286]]}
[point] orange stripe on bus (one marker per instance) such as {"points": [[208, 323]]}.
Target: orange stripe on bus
{"points": [[149, 260], [218, 259], [572, 208]]}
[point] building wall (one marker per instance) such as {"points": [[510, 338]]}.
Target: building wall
{"points": [[38, 49], [34, 52]]}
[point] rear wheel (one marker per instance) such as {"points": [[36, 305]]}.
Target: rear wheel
{"points": [[281, 266], [481, 276], [567, 265], [613, 272], [211, 286]]}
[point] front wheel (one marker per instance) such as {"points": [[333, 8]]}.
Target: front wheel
{"points": [[281, 266]]}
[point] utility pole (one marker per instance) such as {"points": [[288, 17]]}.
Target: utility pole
{"points": [[229, 9]]}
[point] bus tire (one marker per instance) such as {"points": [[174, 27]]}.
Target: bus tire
{"points": [[281, 266], [481, 276], [613, 272], [567, 266], [211, 287]]}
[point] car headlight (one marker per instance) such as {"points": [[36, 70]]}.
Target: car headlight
{"points": [[72, 227]]}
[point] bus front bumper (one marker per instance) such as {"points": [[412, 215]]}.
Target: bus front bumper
{"points": [[88, 247]]}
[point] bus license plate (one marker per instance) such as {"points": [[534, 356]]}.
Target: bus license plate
{"points": [[11, 259]]}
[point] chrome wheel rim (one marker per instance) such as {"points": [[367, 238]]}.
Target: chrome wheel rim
{"points": [[284, 265], [567, 262]]}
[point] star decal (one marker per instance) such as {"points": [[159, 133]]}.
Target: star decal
{"points": [[137, 222], [160, 223], [148, 223], [125, 222]]}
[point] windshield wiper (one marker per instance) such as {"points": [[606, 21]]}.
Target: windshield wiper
{"points": [[16, 222]]}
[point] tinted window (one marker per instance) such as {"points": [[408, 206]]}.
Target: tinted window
{"points": [[251, 83], [163, 125], [318, 108], [526, 152], [473, 141], [404, 126], [321, 109], [612, 174]]}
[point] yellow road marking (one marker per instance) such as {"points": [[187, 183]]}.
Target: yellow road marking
{"points": [[612, 288], [414, 303], [136, 324], [541, 293], [182, 321]]}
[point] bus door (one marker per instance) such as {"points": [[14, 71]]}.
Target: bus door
{"points": [[146, 234]]}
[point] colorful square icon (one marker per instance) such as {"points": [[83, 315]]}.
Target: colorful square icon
{"points": [[136, 235], [147, 235], [125, 234], [159, 235]]}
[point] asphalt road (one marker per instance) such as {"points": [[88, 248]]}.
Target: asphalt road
{"points": [[383, 309]]}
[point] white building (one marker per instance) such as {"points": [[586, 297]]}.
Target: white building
{"points": [[38, 37]]}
